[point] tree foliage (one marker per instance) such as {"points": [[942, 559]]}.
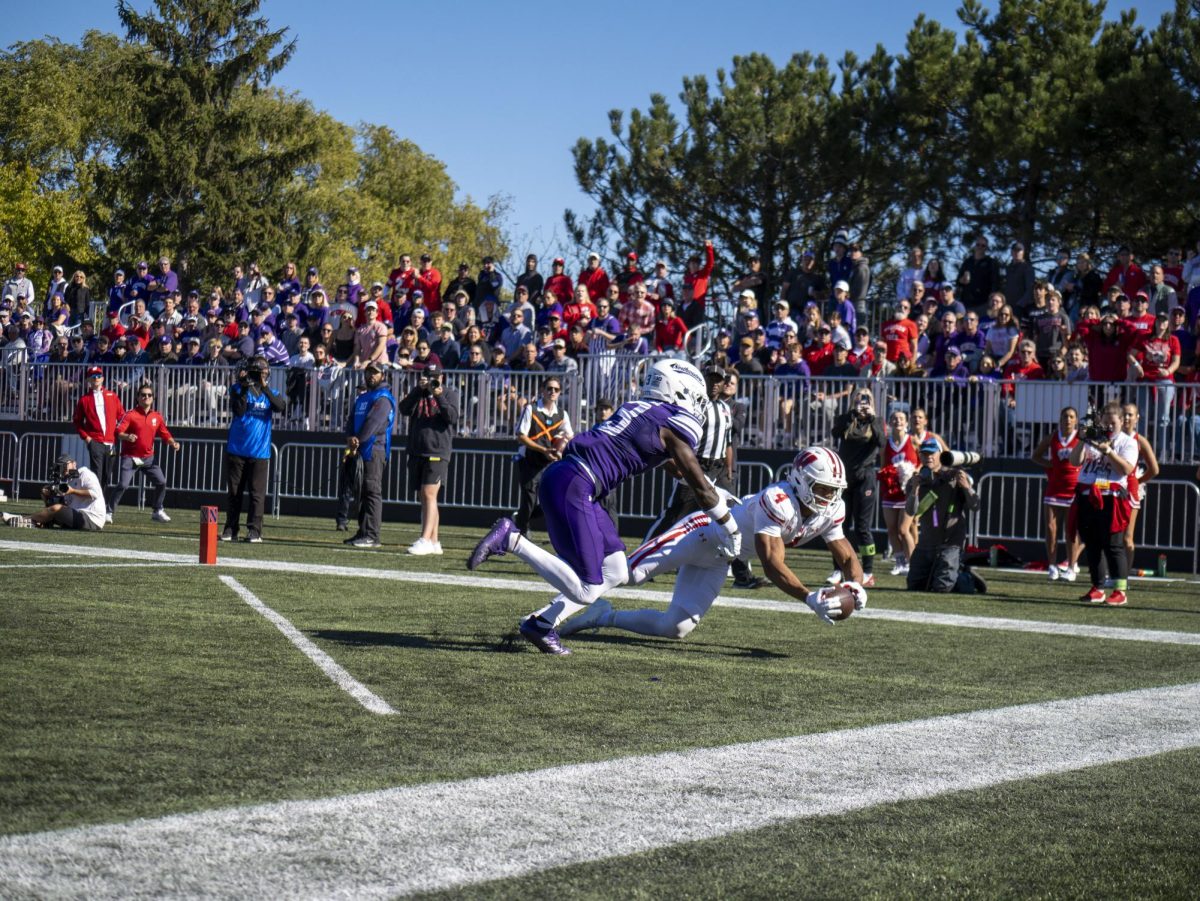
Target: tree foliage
{"points": [[171, 141], [1043, 123]]}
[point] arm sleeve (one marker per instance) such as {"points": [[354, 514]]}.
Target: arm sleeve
{"points": [[278, 401], [376, 419], [448, 407], [237, 401]]}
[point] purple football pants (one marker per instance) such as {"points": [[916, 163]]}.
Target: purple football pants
{"points": [[582, 532]]}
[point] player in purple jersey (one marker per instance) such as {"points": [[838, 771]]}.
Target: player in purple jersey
{"points": [[664, 424]]}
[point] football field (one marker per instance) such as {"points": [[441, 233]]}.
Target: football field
{"points": [[307, 720]]}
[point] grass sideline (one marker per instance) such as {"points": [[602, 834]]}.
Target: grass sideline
{"points": [[140, 692]]}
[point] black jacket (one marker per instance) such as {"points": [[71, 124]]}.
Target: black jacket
{"points": [[432, 421]]}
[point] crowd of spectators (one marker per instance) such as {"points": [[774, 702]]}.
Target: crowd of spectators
{"points": [[990, 320]]}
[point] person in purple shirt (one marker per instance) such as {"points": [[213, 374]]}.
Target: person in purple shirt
{"points": [[271, 347], [118, 293], [289, 286], [664, 425], [164, 283], [260, 319]]}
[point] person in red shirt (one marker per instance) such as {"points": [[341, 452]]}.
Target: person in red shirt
{"points": [[1053, 454], [1141, 323], [630, 275], [862, 355], [594, 277], [1107, 351], [401, 280], [670, 330], [1173, 272], [578, 306], [96, 416], [900, 333], [384, 309], [137, 431], [557, 284], [819, 354], [114, 331], [1127, 274], [695, 280], [1022, 368], [429, 280], [1154, 359]]}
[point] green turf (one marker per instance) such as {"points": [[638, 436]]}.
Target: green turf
{"points": [[143, 691], [1126, 830]]}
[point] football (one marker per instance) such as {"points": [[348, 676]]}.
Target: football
{"points": [[559, 443], [844, 596]]}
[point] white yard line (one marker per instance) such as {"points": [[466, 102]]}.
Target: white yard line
{"points": [[443, 835], [327, 664], [90, 565], [1003, 624]]}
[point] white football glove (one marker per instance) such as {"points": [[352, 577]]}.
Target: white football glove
{"points": [[860, 594], [730, 539], [821, 607]]}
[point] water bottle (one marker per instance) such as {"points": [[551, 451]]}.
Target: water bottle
{"points": [[993, 556], [1162, 566]]}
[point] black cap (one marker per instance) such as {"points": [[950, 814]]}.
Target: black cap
{"points": [[373, 364], [714, 372]]}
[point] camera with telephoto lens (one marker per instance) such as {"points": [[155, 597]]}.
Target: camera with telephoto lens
{"points": [[429, 383], [951, 461]]}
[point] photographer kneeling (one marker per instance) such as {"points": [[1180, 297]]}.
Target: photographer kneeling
{"points": [[940, 497], [75, 500]]}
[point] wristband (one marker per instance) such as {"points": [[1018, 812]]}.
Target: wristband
{"points": [[717, 511]]}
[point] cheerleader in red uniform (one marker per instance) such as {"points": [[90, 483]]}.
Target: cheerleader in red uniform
{"points": [[1053, 454], [900, 461], [1145, 469]]}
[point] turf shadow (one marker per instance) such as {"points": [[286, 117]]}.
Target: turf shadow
{"points": [[683, 647], [475, 644]]}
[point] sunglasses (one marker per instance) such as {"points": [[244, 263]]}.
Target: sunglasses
{"points": [[553, 390], [145, 394]]}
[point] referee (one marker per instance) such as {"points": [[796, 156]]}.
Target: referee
{"points": [[715, 453]]}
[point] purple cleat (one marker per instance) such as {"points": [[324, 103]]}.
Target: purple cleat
{"points": [[494, 543], [545, 640]]}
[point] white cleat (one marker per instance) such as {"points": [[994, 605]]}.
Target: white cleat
{"points": [[160, 516], [900, 568], [597, 615], [1053, 573], [423, 548], [1067, 574], [835, 578]]}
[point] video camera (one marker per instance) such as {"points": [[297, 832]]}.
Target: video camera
{"points": [[58, 483], [1091, 433], [255, 372]]}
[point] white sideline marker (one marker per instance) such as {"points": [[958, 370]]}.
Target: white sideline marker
{"points": [[918, 617], [327, 664], [444, 835]]}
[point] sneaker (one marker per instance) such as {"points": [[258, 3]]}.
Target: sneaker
{"points": [[595, 616], [900, 568], [835, 578], [421, 548], [1067, 574], [750, 582], [1094, 596], [254, 537], [108, 519], [160, 516], [228, 534], [343, 527], [545, 640], [1053, 573], [363, 542], [1116, 599], [18, 521], [868, 580], [494, 544], [435, 547], [353, 538]]}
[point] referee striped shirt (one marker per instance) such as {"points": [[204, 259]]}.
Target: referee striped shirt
{"points": [[717, 432]]}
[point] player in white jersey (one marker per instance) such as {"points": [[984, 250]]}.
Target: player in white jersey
{"points": [[786, 514]]}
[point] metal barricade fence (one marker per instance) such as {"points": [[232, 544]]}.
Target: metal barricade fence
{"points": [[1010, 509], [8, 463], [782, 412]]}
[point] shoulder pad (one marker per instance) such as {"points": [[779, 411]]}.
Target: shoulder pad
{"points": [[777, 502]]}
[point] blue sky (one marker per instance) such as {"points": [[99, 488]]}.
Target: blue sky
{"points": [[500, 92]]}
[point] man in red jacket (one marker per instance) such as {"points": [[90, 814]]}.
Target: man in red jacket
{"points": [[429, 280], [1127, 274], [96, 416], [594, 277], [137, 431], [695, 280]]}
